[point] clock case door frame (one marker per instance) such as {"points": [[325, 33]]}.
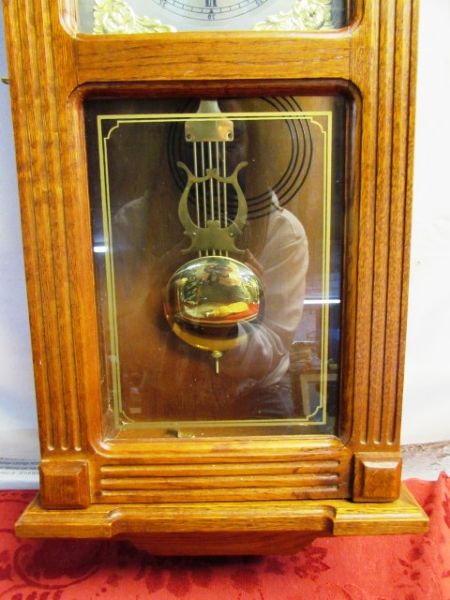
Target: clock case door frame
{"points": [[52, 70]]}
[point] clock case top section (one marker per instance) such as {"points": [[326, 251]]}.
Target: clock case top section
{"points": [[52, 70]]}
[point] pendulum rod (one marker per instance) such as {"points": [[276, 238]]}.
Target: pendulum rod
{"points": [[219, 201], [211, 191], [205, 208], [225, 196], [197, 196]]}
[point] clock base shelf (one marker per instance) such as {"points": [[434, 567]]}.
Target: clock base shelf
{"points": [[225, 528]]}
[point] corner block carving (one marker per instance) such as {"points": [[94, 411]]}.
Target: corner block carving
{"points": [[377, 477], [64, 484]]}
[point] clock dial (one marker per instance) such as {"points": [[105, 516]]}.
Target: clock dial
{"points": [[211, 10], [141, 16]]}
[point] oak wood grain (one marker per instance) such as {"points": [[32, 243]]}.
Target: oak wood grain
{"points": [[53, 70], [226, 528]]}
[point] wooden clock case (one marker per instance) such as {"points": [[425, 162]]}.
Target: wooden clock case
{"points": [[214, 495]]}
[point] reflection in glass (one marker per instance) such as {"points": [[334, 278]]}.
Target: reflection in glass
{"points": [[199, 341], [159, 16], [208, 301]]}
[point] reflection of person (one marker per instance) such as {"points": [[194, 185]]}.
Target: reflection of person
{"points": [[254, 376], [263, 359], [221, 284]]}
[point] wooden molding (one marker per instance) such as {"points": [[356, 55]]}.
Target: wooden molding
{"points": [[377, 477], [252, 470], [226, 527], [376, 280], [41, 69], [64, 484]]}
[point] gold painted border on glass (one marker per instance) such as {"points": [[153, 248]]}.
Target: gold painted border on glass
{"points": [[177, 426]]}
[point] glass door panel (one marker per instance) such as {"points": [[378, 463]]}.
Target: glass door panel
{"points": [[217, 237]]}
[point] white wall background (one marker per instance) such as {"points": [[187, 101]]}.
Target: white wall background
{"points": [[427, 382], [426, 415], [17, 400]]}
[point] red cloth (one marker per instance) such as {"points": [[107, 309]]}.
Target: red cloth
{"points": [[409, 567]]}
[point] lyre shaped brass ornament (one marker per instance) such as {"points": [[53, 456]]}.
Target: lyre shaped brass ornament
{"points": [[210, 298], [215, 235]]}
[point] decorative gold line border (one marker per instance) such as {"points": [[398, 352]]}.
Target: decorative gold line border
{"points": [[110, 278], [236, 116], [326, 258], [109, 262]]}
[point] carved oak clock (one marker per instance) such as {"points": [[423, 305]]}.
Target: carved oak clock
{"points": [[216, 211]]}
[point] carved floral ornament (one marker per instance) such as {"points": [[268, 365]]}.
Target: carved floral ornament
{"points": [[116, 16]]}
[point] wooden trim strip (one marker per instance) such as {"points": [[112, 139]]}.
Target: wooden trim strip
{"points": [[235, 56]]}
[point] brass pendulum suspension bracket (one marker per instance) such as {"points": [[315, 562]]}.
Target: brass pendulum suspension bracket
{"points": [[211, 130]]}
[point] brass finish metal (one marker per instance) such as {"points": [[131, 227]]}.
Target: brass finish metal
{"points": [[209, 300], [217, 355], [215, 236], [218, 130]]}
